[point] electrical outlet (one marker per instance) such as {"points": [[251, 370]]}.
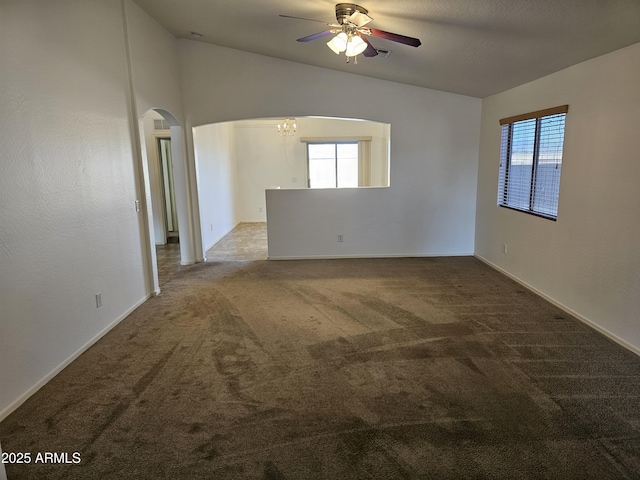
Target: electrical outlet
{"points": [[260, 209], [212, 227], [340, 238], [504, 248], [98, 300]]}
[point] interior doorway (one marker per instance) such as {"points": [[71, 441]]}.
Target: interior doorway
{"points": [[169, 209], [171, 239]]}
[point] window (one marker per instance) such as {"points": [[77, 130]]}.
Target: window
{"points": [[333, 165], [352, 161], [531, 161]]}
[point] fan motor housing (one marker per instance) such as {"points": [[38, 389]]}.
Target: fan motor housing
{"points": [[345, 10]]}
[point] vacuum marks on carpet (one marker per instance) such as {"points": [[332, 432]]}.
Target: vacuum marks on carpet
{"points": [[358, 369]]}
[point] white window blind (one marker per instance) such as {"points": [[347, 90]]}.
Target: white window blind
{"points": [[531, 161]]}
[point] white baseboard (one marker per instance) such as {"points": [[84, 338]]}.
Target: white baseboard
{"points": [[25, 396], [381, 255], [570, 311]]}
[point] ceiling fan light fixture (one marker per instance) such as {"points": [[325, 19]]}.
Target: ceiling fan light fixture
{"points": [[338, 43], [332, 46], [360, 19], [355, 46], [351, 31]]}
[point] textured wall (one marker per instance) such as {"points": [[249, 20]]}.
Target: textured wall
{"points": [[154, 64], [70, 178], [155, 80], [216, 173], [429, 208], [589, 260], [265, 159], [69, 226]]}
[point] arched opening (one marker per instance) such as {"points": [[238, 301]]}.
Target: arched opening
{"points": [[166, 193], [236, 162]]}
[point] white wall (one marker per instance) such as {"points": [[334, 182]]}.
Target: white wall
{"points": [[156, 82], [69, 227], [429, 209], [154, 64], [70, 178], [264, 159], [589, 260], [216, 173]]}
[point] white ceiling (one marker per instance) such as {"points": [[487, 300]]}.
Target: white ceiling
{"points": [[470, 47]]}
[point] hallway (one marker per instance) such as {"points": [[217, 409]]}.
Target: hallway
{"points": [[168, 257]]}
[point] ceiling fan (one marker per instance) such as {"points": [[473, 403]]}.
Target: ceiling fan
{"points": [[352, 32]]}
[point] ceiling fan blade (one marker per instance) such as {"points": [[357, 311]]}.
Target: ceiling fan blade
{"points": [[394, 37], [370, 51], [312, 20], [360, 19], [315, 36]]}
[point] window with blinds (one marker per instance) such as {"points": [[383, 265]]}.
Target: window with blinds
{"points": [[531, 161]]}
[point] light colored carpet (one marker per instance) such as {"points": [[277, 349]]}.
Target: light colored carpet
{"points": [[431, 368]]}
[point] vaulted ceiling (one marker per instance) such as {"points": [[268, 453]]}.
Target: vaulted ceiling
{"points": [[470, 47]]}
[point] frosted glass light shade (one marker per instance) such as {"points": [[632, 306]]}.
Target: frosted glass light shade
{"points": [[338, 43], [355, 46]]}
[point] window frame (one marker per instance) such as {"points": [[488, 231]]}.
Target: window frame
{"points": [[506, 148], [329, 142]]}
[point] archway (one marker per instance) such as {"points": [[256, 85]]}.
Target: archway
{"points": [[237, 161], [165, 175]]}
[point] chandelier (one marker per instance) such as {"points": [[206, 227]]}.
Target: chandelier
{"points": [[287, 128]]}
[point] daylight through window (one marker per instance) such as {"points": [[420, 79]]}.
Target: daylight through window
{"points": [[531, 161], [333, 165]]}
